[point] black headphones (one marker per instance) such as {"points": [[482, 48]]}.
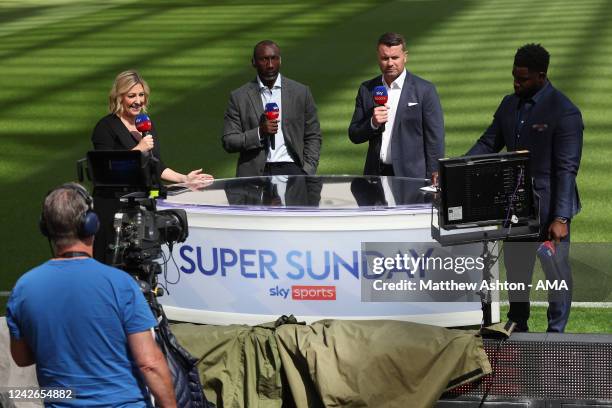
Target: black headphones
{"points": [[89, 223]]}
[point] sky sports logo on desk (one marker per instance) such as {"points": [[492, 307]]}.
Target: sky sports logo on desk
{"points": [[305, 292]]}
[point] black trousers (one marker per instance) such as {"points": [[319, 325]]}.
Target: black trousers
{"points": [[282, 168], [386, 169]]}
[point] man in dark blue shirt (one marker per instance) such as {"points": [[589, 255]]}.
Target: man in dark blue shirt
{"points": [[539, 118], [86, 325]]}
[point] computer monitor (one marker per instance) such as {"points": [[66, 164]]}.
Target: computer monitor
{"points": [[491, 189], [126, 170]]}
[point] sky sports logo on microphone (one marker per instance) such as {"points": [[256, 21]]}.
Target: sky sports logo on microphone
{"points": [[272, 111], [380, 95], [143, 123], [305, 292]]}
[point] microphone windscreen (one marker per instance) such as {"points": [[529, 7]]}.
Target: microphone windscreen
{"points": [[380, 95], [272, 111], [143, 123]]}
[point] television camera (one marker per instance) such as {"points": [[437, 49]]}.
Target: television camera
{"points": [[140, 229], [140, 232]]}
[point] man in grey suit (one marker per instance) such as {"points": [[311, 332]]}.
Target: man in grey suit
{"points": [[265, 147], [406, 135]]}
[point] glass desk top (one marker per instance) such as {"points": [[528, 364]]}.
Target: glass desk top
{"points": [[299, 193]]}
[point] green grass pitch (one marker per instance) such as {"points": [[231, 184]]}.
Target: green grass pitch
{"points": [[58, 59]]}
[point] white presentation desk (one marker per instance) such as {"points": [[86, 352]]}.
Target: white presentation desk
{"points": [[263, 247]]}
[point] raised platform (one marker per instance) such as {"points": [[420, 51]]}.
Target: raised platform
{"points": [[542, 370]]}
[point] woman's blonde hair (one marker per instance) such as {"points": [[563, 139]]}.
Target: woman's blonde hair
{"points": [[123, 83]]}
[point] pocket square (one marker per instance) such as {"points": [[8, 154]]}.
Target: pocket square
{"points": [[540, 127], [412, 103]]}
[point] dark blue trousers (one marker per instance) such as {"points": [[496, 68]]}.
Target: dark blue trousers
{"points": [[519, 259]]}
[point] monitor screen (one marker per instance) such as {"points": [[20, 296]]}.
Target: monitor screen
{"points": [[491, 189], [125, 169]]}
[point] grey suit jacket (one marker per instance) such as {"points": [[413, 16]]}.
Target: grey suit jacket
{"points": [[299, 123], [418, 130]]}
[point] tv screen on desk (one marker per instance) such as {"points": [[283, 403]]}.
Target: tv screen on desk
{"points": [[492, 189]]}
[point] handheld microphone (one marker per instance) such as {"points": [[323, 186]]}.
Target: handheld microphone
{"points": [[143, 124], [547, 254], [380, 95], [272, 113], [380, 98], [547, 249]]}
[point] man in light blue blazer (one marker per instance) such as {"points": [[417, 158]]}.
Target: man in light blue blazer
{"points": [[406, 135]]}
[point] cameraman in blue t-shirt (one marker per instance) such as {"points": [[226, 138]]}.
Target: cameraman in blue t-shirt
{"points": [[86, 325]]}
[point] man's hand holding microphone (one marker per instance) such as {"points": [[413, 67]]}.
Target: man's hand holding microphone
{"points": [[269, 123], [380, 115]]}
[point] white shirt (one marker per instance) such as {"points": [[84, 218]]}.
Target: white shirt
{"points": [[394, 91], [279, 153], [386, 185], [280, 182]]}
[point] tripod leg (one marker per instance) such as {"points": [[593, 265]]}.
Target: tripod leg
{"points": [[485, 295]]}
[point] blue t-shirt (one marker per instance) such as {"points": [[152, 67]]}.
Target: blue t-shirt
{"points": [[76, 314]]}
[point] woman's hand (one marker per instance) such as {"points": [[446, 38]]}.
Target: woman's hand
{"points": [[145, 144], [195, 177], [198, 176], [196, 180]]}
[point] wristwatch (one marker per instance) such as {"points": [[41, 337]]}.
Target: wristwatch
{"points": [[562, 220]]}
